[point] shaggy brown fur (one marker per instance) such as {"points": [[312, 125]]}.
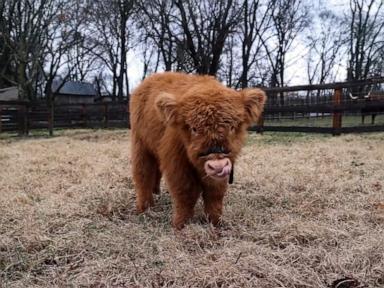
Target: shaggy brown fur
{"points": [[191, 129]]}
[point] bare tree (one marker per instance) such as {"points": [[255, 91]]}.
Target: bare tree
{"points": [[27, 23], [157, 25], [289, 18], [205, 27], [110, 20], [7, 69], [125, 11], [325, 48], [229, 68], [150, 52], [366, 41], [59, 39], [103, 33], [254, 26], [39, 34], [79, 58], [378, 64]]}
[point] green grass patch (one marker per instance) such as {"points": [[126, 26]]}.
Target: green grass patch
{"points": [[326, 121], [284, 137]]}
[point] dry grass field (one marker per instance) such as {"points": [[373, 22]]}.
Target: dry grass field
{"points": [[304, 211]]}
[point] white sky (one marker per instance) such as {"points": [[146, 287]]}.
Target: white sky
{"points": [[296, 72]]}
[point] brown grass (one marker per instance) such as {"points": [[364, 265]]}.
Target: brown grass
{"points": [[303, 212]]}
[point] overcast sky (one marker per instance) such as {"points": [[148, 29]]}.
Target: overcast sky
{"points": [[296, 58], [296, 72]]}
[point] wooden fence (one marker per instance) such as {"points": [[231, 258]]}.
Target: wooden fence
{"points": [[23, 116], [331, 100], [311, 101]]}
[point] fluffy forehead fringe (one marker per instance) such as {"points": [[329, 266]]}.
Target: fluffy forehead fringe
{"points": [[222, 112]]}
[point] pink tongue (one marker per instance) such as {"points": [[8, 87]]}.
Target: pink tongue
{"points": [[224, 172]]}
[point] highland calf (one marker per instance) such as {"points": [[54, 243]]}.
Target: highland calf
{"points": [[190, 129]]}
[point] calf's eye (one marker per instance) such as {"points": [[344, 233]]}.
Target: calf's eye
{"points": [[194, 131]]}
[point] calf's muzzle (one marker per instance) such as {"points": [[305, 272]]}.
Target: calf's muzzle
{"points": [[218, 168]]}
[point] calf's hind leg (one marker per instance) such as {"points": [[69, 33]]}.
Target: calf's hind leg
{"points": [[146, 176], [157, 177]]}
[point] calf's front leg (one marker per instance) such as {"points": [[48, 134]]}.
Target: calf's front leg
{"points": [[184, 189], [213, 196]]}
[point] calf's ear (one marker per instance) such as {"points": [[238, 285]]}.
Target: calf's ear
{"points": [[254, 100], [166, 106]]}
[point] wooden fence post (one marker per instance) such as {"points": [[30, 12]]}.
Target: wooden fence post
{"points": [[84, 116], [26, 119], [260, 124], [51, 118], [21, 118], [106, 115], [337, 114]]}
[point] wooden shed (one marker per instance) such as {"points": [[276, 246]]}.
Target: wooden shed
{"points": [[9, 94], [74, 92]]}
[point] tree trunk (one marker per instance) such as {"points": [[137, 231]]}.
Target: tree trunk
{"points": [[123, 54]]}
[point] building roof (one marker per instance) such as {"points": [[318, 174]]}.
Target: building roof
{"points": [[9, 94], [74, 88]]}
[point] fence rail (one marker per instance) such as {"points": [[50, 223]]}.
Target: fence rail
{"points": [[23, 116], [326, 100], [333, 86]]}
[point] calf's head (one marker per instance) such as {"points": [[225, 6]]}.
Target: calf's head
{"points": [[212, 124]]}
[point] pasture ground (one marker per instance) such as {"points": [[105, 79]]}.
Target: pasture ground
{"points": [[305, 211]]}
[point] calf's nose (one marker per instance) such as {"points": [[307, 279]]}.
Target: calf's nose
{"points": [[218, 166]]}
